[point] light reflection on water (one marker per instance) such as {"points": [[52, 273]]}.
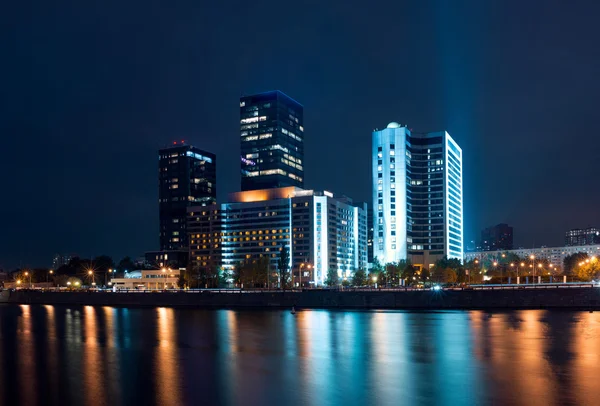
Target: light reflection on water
{"points": [[59, 355]]}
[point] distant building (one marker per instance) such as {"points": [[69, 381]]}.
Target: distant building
{"points": [[60, 260], [554, 255], [175, 259], [417, 196], [498, 237], [187, 176], [318, 228], [272, 141], [586, 236]]}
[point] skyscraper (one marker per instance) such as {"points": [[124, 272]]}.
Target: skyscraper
{"points": [[272, 141], [186, 176], [499, 237], [417, 196]]}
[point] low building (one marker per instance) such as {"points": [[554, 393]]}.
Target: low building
{"points": [[321, 231], [154, 279], [554, 255]]}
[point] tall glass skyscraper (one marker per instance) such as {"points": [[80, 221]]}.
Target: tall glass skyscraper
{"points": [[272, 141], [417, 196], [187, 176]]}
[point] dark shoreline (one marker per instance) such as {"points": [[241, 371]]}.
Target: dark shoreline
{"points": [[581, 298]]}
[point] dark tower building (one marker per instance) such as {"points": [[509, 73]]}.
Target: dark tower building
{"points": [[497, 238], [272, 141], [187, 176]]}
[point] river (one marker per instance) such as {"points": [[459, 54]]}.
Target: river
{"points": [[83, 355]]}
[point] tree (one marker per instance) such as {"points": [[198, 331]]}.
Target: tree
{"points": [[333, 278], [571, 262], [181, 281], [126, 264], [393, 272], [237, 274], [425, 275], [589, 269], [445, 263], [283, 266], [359, 278], [102, 264], [408, 273], [225, 278], [441, 275]]}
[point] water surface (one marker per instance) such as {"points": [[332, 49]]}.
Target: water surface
{"points": [[69, 355]]}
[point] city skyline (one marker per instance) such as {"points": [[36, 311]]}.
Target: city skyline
{"points": [[82, 130]]}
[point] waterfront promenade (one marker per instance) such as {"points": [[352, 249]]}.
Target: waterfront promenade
{"points": [[559, 296]]}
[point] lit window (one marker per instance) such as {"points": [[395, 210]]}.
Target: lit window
{"points": [[380, 187], [379, 168], [392, 153]]}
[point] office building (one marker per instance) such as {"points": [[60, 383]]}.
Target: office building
{"points": [[417, 196], [498, 237], [554, 255], [186, 176], [318, 228], [586, 236], [60, 260], [272, 141]]}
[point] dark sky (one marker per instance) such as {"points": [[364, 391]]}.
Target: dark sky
{"points": [[91, 90]]}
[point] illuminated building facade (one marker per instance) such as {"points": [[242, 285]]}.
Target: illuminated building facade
{"points": [[272, 141], [578, 236], [186, 176], [417, 196], [554, 255], [318, 228]]}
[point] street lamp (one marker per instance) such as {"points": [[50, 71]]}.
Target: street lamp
{"points": [[300, 275], [18, 282], [375, 281], [495, 268], [106, 275]]}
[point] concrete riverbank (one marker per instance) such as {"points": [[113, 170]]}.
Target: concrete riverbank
{"points": [[519, 298]]}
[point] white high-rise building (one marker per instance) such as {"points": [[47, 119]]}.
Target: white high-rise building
{"points": [[417, 196]]}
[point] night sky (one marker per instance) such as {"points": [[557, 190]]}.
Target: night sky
{"points": [[92, 89]]}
